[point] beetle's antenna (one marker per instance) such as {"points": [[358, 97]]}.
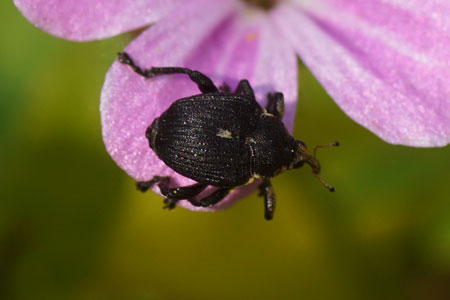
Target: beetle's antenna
{"points": [[316, 170], [329, 187], [323, 146]]}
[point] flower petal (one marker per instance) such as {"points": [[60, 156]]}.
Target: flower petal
{"points": [[84, 20], [385, 63], [210, 36]]}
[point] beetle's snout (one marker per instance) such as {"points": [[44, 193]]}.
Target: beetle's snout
{"points": [[313, 162]]}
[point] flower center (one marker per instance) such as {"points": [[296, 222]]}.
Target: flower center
{"points": [[264, 4]]}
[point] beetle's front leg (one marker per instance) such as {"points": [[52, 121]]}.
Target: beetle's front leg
{"points": [[275, 104], [266, 190]]}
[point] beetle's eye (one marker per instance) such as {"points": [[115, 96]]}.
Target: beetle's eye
{"points": [[300, 143], [289, 151]]}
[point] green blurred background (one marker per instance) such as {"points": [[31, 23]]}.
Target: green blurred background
{"points": [[72, 225]]}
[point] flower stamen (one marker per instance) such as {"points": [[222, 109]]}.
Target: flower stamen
{"points": [[264, 4]]}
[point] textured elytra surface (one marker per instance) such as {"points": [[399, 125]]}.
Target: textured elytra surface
{"points": [[203, 138]]}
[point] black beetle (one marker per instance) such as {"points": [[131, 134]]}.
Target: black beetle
{"points": [[222, 139]]}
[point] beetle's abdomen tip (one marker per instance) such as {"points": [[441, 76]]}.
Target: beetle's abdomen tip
{"points": [[151, 133]]}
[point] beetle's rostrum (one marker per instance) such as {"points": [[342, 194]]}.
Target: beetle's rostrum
{"points": [[223, 139]]}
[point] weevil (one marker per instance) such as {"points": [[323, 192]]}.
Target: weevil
{"points": [[223, 139]]}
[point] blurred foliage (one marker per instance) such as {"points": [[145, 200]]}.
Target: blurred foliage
{"points": [[72, 225]]}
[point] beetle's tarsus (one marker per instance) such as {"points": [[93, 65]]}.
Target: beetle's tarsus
{"points": [[143, 186], [124, 58], [170, 203]]}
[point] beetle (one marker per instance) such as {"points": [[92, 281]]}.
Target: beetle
{"points": [[223, 139]]}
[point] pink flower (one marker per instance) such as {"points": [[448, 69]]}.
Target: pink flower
{"points": [[386, 63]]}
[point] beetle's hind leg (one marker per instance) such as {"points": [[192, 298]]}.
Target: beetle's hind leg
{"points": [[203, 82], [125, 59], [275, 104]]}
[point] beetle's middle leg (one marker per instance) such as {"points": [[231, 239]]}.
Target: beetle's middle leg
{"points": [[186, 192], [212, 199], [203, 82], [275, 104], [244, 88]]}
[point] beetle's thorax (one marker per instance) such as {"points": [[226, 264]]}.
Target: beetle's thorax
{"points": [[272, 148]]}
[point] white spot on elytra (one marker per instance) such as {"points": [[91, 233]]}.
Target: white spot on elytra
{"points": [[223, 133]]}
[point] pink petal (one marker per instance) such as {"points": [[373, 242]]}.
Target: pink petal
{"points": [[385, 63], [212, 37], [83, 20]]}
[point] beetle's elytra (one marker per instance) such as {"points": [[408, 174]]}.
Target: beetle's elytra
{"points": [[222, 139]]}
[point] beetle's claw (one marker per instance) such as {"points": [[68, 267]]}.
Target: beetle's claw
{"points": [[169, 203]]}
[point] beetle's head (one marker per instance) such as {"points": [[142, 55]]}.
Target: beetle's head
{"points": [[302, 156]]}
